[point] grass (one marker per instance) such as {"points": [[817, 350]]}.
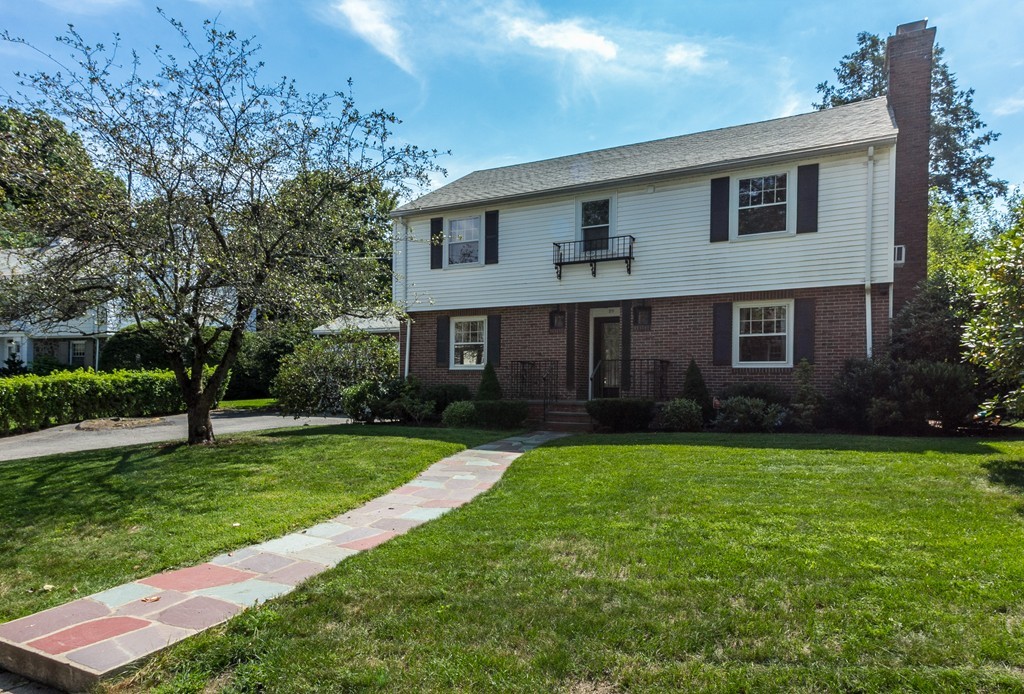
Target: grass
{"points": [[251, 404], [668, 563], [90, 521]]}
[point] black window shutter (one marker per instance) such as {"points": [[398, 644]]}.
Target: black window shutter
{"points": [[491, 237], [570, 348], [719, 209], [494, 340], [803, 330], [807, 199], [443, 329], [721, 334], [626, 332], [437, 243]]}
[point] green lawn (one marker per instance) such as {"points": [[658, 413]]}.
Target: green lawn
{"points": [[668, 563], [87, 522], [251, 404]]}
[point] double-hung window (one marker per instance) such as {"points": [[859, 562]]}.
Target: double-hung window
{"points": [[763, 204], [763, 334], [463, 241], [595, 224], [469, 342], [77, 353]]}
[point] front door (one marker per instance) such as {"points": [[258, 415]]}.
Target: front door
{"points": [[607, 357]]}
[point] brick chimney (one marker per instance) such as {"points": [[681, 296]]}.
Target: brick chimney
{"points": [[909, 62]]}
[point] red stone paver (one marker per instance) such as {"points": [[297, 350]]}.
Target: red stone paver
{"points": [[86, 634], [197, 577], [198, 613], [86, 639]]}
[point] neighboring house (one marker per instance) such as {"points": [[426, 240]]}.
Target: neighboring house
{"points": [[75, 343], [747, 248], [374, 326]]}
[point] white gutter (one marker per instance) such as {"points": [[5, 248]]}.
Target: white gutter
{"points": [[868, 228], [96, 353]]}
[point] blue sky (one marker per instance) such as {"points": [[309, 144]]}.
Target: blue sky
{"points": [[506, 81]]}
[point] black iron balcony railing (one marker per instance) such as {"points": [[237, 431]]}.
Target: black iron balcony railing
{"points": [[593, 251]]}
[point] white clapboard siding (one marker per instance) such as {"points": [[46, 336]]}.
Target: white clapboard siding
{"points": [[673, 253]]}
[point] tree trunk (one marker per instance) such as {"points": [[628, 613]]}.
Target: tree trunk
{"points": [[200, 428]]}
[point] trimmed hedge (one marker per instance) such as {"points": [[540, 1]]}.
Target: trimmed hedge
{"points": [[621, 414], [35, 402], [501, 414]]}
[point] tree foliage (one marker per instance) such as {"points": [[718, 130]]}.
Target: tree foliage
{"points": [[994, 338], [959, 167], [245, 198], [43, 167]]}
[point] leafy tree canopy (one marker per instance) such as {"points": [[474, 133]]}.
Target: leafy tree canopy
{"points": [[959, 167], [245, 198]]}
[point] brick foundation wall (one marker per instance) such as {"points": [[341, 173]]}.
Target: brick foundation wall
{"points": [[680, 329]]}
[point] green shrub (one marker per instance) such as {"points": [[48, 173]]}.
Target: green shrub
{"points": [[770, 393], [681, 415], [621, 414], [134, 348], [33, 402], [14, 366], [805, 407], [313, 377], [258, 363], [444, 395], [501, 414], [490, 389], [461, 413], [696, 390], [44, 365], [882, 396], [742, 414]]}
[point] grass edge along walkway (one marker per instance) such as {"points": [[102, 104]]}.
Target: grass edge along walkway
{"points": [[74, 645]]}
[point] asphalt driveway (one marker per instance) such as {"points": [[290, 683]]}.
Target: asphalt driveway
{"points": [[68, 439]]}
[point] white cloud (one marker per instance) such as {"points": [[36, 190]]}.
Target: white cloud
{"points": [[1010, 105], [686, 56], [373, 22], [565, 36]]}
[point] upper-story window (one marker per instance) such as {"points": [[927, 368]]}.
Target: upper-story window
{"points": [[463, 241], [762, 204], [595, 224]]}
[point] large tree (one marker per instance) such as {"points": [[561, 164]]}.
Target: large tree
{"points": [[959, 169], [244, 198]]}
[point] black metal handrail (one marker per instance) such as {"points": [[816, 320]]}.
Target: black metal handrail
{"points": [[593, 251], [534, 380], [648, 378]]}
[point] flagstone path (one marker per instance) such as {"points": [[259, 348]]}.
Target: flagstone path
{"points": [[74, 645]]}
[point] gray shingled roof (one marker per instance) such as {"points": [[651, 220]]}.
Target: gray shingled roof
{"points": [[836, 128]]}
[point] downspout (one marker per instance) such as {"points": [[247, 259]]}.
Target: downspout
{"points": [[868, 228], [405, 292], [96, 353]]}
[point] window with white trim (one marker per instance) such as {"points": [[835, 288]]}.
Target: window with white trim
{"points": [[762, 206], [463, 241], [763, 334], [77, 353], [469, 342], [595, 224]]}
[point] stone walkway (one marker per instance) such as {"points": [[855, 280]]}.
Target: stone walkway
{"points": [[74, 645]]}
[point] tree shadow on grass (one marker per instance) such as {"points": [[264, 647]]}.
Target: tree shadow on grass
{"points": [[374, 430], [801, 442], [1008, 473]]}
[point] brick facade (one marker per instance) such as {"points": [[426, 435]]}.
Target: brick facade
{"points": [[909, 55], [681, 328]]}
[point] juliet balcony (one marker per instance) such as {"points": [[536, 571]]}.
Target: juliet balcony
{"points": [[593, 251]]}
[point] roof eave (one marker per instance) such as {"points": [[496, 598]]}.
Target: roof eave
{"points": [[660, 175]]}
